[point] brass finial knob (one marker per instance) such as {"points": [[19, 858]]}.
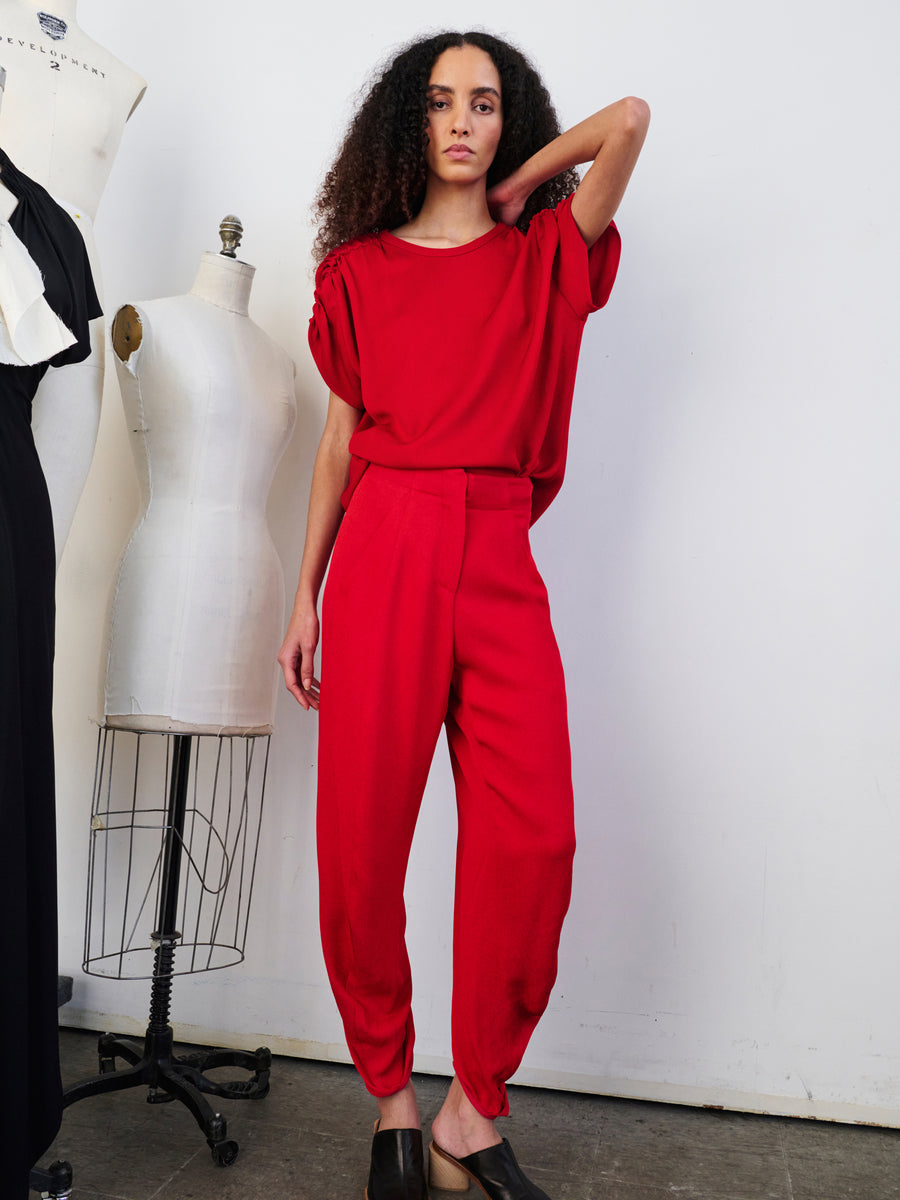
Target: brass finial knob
{"points": [[230, 231]]}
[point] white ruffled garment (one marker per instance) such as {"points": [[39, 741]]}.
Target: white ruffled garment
{"points": [[30, 331]]}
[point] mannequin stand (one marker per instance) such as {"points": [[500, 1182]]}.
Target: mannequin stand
{"points": [[153, 1064]]}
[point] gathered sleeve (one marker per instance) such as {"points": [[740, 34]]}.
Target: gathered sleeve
{"points": [[585, 275], [332, 337]]}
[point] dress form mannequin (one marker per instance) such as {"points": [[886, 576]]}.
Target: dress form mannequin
{"points": [[209, 400], [64, 109], [195, 624]]}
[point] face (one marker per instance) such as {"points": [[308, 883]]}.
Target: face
{"points": [[465, 115]]}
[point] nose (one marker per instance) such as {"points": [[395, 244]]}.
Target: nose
{"points": [[461, 125]]}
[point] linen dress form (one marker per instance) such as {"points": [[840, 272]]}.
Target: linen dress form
{"points": [[198, 604], [39, 242]]}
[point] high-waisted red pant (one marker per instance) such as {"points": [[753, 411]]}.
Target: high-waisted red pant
{"points": [[433, 613]]}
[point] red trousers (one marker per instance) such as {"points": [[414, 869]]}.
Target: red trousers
{"points": [[434, 613]]}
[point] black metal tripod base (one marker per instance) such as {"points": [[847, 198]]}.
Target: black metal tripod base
{"points": [[171, 1077], [55, 1180]]}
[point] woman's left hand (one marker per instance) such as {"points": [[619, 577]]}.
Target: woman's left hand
{"points": [[505, 202]]}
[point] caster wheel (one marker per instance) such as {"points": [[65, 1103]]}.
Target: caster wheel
{"points": [[224, 1153], [106, 1053]]}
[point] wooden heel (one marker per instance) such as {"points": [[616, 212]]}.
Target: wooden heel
{"points": [[445, 1172]]}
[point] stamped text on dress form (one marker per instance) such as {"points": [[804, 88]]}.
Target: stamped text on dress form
{"points": [[56, 59]]}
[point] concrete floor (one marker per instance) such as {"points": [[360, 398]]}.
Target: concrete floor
{"points": [[309, 1140]]}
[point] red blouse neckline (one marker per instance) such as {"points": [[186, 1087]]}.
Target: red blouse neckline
{"points": [[465, 248]]}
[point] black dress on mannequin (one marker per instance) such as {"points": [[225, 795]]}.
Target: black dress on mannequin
{"points": [[27, 802]]}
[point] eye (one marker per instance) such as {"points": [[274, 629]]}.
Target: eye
{"points": [[483, 107], [437, 105]]}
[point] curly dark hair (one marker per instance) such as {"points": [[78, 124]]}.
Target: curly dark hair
{"points": [[378, 179]]}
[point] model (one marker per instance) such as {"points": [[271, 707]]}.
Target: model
{"points": [[450, 305]]}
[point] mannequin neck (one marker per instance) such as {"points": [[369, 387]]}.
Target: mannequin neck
{"points": [[57, 8], [224, 282]]}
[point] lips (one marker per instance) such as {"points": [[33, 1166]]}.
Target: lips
{"points": [[458, 152]]}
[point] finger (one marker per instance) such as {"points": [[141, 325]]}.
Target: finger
{"points": [[292, 683], [307, 679], [293, 686]]}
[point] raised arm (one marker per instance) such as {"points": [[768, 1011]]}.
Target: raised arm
{"points": [[610, 141], [328, 482]]}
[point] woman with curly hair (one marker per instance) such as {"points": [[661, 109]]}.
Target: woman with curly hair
{"points": [[460, 257]]}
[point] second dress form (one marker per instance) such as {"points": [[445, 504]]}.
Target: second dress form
{"points": [[64, 110], [198, 605]]}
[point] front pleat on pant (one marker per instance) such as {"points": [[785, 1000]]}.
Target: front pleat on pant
{"points": [[434, 612]]}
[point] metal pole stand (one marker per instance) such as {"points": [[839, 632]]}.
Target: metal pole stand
{"points": [[199, 854]]}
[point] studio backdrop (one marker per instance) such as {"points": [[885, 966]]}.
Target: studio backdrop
{"points": [[723, 562]]}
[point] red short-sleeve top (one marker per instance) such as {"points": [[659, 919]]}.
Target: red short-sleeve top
{"points": [[462, 357]]}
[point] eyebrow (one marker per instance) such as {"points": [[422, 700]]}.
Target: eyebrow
{"points": [[476, 91]]}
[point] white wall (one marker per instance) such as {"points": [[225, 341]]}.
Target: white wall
{"points": [[722, 560]]}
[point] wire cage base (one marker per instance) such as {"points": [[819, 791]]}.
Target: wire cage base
{"points": [[142, 828]]}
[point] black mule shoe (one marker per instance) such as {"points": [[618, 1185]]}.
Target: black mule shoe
{"points": [[495, 1170], [398, 1166]]}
